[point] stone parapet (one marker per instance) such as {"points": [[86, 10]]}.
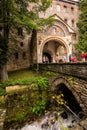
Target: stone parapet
{"points": [[77, 69]]}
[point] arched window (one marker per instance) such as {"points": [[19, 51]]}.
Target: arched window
{"points": [[65, 8], [20, 31], [21, 44], [24, 55], [58, 8], [74, 36], [16, 55], [72, 9]]}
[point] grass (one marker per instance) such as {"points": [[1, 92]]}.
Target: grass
{"points": [[21, 77], [21, 74]]}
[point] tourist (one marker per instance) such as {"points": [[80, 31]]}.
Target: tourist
{"points": [[70, 57], [56, 58], [74, 59], [64, 58], [83, 56], [46, 60]]}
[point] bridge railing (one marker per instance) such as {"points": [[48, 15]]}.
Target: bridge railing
{"points": [[77, 69]]}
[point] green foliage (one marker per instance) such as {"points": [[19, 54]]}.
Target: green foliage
{"points": [[51, 73], [2, 91], [19, 14], [20, 117], [2, 102], [16, 14], [39, 108], [82, 26], [24, 77], [28, 102], [42, 83]]}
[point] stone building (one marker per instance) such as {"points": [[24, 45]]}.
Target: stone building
{"points": [[60, 37], [57, 38]]}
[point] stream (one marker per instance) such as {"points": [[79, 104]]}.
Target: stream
{"points": [[54, 121]]}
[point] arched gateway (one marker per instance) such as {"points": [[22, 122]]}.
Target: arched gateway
{"points": [[52, 46], [55, 39]]}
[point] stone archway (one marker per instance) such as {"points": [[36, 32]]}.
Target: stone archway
{"points": [[52, 45], [61, 84]]}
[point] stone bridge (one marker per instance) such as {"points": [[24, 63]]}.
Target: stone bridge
{"points": [[72, 81]]}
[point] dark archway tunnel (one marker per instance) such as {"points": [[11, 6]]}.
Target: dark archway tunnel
{"points": [[69, 98], [48, 55]]}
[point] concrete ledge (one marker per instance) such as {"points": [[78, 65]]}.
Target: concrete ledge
{"points": [[16, 87]]}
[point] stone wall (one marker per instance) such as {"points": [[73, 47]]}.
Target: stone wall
{"points": [[67, 11], [80, 91], [74, 76], [77, 69], [19, 56], [77, 86]]}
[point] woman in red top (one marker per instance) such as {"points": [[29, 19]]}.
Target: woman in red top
{"points": [[83, 56], [74, 59]]}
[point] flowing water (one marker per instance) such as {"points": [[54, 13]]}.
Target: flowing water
{"points": [[54, 121]]}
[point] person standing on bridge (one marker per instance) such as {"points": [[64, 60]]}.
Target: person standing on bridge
{"points": [[56, 58], [63, 58], [74, 59], [46, 59], [83, 56], [70, 57]]}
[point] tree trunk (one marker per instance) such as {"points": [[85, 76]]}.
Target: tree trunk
{"points": [[3, 59], [4, 42], [3, 73], [33, 46]]}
